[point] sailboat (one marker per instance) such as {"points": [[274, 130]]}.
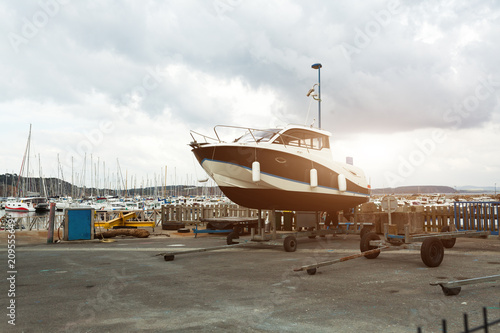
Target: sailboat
{"points": [[27, 203]]}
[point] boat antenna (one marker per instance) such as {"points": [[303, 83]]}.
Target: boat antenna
{"points": [[318, 67]]}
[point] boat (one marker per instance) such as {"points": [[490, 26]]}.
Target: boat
{"points": [[5, 201], [63, 202], [28, 201], [26, 204], [42, 206], [289, 168]]}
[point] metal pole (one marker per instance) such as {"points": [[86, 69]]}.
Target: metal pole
{"points": [[273, 223], [52, 215], [319, 93], [318, 67], [336, 261], [389, 211]]}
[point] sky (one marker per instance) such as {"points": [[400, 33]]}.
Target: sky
{"points": [[409, 89]]}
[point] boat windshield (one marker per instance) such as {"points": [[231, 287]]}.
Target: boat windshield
{"points": [[303, 138], [258, 135]]}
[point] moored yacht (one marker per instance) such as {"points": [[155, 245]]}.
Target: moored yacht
{"points": [[26, 204]]}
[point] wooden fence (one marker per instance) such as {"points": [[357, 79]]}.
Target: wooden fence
{"points": [[466, 216], [187, 214]]}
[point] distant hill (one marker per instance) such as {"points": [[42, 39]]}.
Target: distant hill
{"points": [[478, 189], [55, 187], [427, 189]]}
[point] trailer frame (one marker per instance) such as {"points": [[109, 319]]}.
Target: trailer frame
{"points": [[431, 246], [259, 234]]}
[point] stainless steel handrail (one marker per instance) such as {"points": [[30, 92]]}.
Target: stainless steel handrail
{"points": [[250, 130]]}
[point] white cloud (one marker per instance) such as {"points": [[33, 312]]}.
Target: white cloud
{"points": [[155, 70]]}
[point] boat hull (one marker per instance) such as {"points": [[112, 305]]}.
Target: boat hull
{"points": [[19, 208], [42, 207], [284, 183], [290, 200]]}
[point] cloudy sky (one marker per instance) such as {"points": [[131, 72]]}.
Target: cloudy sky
{"points": [[410, 89]]}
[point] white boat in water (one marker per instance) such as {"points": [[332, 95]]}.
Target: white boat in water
{"points": [[7, 200], [289, 168], [26, 204]]}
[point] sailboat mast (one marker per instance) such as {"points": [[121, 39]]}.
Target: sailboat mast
{"points": [[19, 177], [165, 187], [91, 176], [72, 177], [42, 181]]}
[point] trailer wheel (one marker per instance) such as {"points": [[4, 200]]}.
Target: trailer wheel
{"points": [[364, 231], [311, 236], [364, 245], [311, 271], [168, 257], [238, 230], [290, 244], [230, 237], [448, 243], [432, 252]]}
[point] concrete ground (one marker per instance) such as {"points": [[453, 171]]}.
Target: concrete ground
{"points": [[121, 286]]}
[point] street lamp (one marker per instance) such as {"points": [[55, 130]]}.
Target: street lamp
{"points": [[318, 67]]}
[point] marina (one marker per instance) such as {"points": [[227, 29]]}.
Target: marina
{"points": [[250, 166], [270, 188], [285, 208]]}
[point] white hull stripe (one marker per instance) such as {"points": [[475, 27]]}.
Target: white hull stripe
{"points": [[282, 178]]}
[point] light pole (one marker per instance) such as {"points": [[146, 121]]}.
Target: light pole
{"points": [[318, 67]]}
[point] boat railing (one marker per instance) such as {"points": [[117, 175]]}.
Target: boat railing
{"points": [[205, 137], [249, 130]]}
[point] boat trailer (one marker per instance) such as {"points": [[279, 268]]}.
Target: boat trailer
{"points": [[259, 235], [431, 246]]}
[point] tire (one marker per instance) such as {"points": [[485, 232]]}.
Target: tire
{"points": [[332, 218], [184, 230], [448, 243], [364, 245], [311, 271], [312, 236], [169, 257], [238, 230], [290, 244], [364, 231], [432, 252], [230, 237]]}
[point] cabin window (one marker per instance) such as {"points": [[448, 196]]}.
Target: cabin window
{"points": [[302, 138]]}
